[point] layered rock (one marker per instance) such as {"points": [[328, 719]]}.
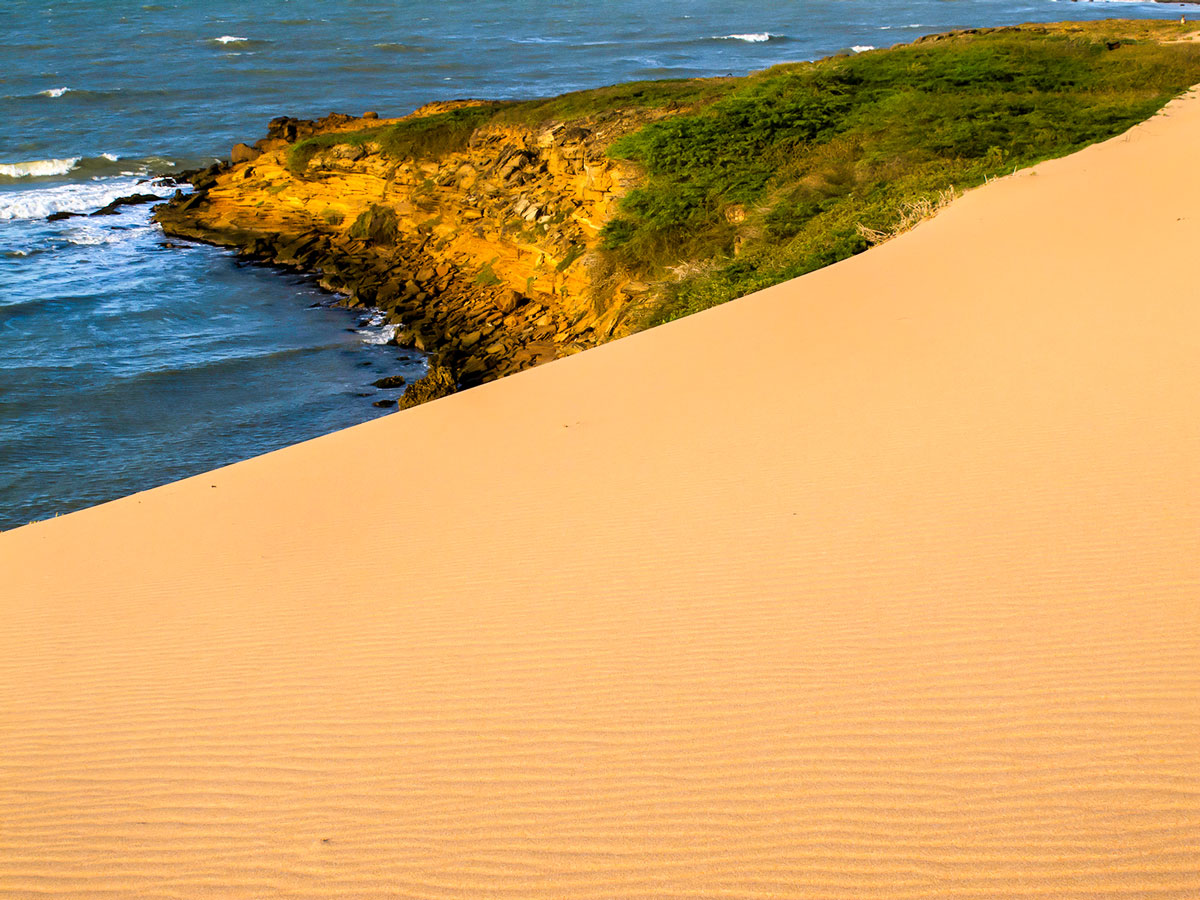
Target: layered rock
{"points": [[487, 257]]}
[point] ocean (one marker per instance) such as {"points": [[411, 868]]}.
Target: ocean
{"points": [[128, 360]]}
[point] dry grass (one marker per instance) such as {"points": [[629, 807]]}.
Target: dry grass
{"points": [[911, 215]]}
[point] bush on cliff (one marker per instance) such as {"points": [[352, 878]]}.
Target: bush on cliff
{"points": [[797, 167], [752, 181], [377, 225], [421, 138]]}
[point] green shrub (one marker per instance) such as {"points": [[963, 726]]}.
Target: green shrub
{"points": [[376, 225], [436, 135], [806, 153], [486, 277], [575, 251]]}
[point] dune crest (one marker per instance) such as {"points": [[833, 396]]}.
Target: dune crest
{"points": [[880, 583]]}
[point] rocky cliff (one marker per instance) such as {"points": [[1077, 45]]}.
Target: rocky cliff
{"points": [[486, 255]]}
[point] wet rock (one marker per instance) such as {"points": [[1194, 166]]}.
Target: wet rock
{"points": [[439, 382], [131, 200], [391, 381], [384, 404], [59, 216]]}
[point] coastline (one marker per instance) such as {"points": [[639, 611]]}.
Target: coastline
{"points": [[918, 621], [502, 235], [469, 278]]}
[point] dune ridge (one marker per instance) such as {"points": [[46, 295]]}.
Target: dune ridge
{"points": [[902, 604]]}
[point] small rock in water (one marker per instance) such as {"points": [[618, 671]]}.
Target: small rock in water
{"points": [[131, 200], [61, 214], [365, 363], [384, 404], [391, 381]]}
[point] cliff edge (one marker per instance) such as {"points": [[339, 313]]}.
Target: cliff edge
{"points": [[498, 236], [482, 251]]}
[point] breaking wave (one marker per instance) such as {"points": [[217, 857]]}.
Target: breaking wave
{"points": [[106, 165], [756, 37], [76, 198], [39, 167]]}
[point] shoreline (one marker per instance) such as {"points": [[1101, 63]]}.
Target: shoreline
{"points": [[476, 325], [496, 235]]}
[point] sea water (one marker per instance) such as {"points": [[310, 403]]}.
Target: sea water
{"points": [[128, 360]]}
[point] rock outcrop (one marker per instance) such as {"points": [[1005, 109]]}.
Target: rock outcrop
{"points": [[487, 256]]}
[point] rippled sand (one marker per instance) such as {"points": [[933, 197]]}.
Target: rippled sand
{"points": [[906, 604]]}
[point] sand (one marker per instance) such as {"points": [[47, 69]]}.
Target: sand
{"points": [[883, 583]]}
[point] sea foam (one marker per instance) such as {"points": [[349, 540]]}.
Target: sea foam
{"points": [[78, 198], [39, 167], [862, 48], [757, 37], [230, 39], [54, 92], [377, 335]]}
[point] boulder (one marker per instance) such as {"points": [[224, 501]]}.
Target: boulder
{"points": [[243, 153], [438, 382], [390, 381]]}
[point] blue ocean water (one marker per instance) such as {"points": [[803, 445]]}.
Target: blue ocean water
{"points": [[126, 360]]}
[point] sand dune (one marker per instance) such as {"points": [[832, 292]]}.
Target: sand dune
{"points": [[883, 583]]}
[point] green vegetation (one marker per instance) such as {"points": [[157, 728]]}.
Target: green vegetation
{"points": [[665, 94], [422, 138], [752, 181], [803, 165], [575, 251], [486, 277], [377, 225]]}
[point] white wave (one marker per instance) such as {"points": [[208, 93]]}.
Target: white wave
{"points": [[39, 167], [90, 236], [383, 335], [54, 92], [757, 37], [110, 157], [890, 27], [862, 48], [78, 198], [230, 39]]}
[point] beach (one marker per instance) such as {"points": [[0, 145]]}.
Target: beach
{"points": [[904, 605]]}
